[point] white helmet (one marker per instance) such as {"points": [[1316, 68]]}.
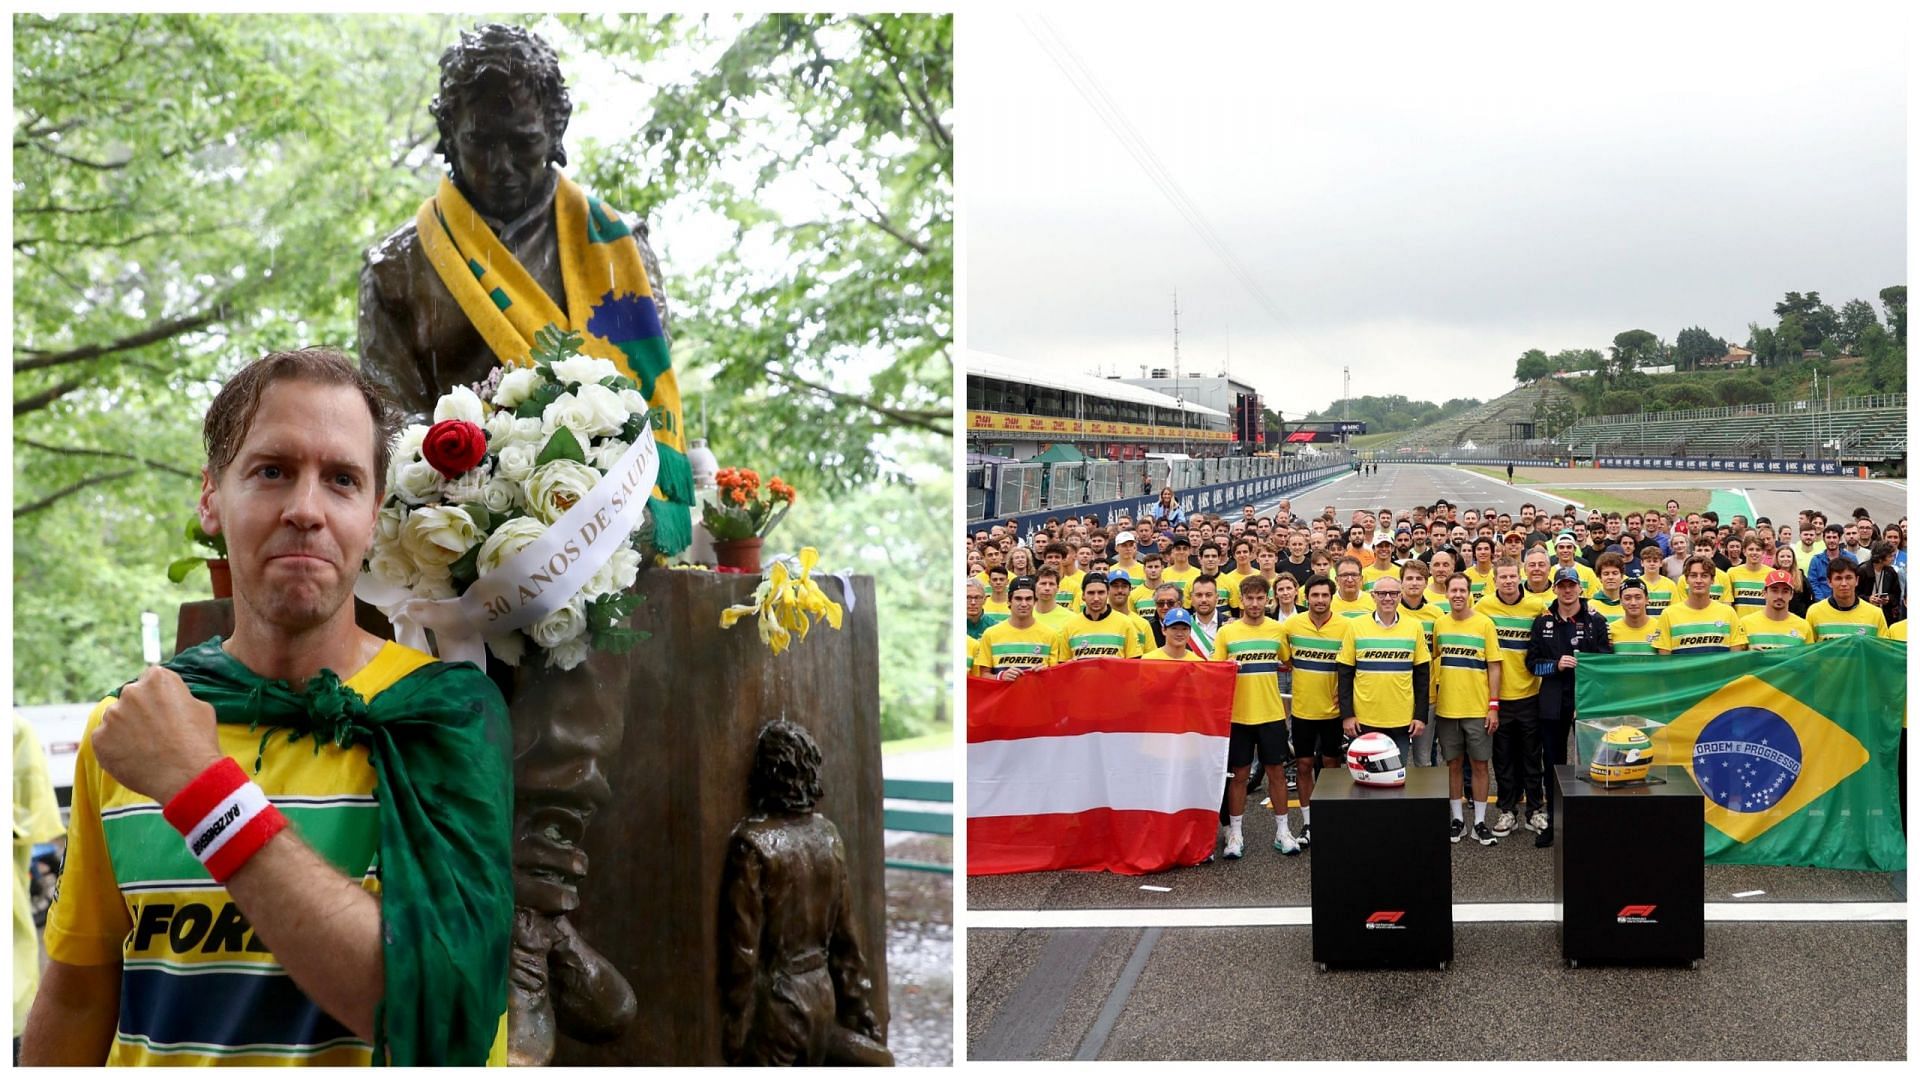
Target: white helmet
{"points": [[1373, 759]]}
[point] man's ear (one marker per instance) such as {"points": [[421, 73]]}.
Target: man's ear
{"points": [[208, 509]]}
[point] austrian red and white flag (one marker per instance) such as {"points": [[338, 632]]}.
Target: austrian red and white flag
{"points": [[1097, 765]]}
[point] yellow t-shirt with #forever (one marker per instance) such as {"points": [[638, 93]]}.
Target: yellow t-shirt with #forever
{"points": [[1314, 653], [1384, 658], [1255, 650], [1464, 648]]}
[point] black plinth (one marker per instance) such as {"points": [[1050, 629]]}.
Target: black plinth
{"points": [[1382, 872], [1629, 870]]}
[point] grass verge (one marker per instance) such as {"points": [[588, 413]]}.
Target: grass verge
{"points": [[932, 740]]}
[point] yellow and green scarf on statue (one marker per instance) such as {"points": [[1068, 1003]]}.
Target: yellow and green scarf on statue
{"points": [[609, 301]]}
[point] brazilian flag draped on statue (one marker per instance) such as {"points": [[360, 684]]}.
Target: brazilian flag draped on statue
{"points": [[1795, 749]]}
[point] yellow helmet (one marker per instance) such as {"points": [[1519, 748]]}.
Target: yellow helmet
{"points": [[1624, 753]]}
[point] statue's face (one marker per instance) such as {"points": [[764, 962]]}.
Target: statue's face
{"points": [[501, 149]]}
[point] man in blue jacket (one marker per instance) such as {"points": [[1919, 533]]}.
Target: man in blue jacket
{"points": [[1817, 568], [1567, 628]]}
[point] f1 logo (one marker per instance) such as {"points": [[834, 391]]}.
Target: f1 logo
{"points": [[1636, 913], [1388, 918]]}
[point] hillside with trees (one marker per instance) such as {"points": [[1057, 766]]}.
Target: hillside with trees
{"points": [[1391, 413], [1810, 348]]}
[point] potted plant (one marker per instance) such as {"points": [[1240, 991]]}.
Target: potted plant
{"points": [[744, 515], [217, 567]]}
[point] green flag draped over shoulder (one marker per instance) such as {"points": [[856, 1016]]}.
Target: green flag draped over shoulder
{"points": [[1795, 749], [439, 744]]}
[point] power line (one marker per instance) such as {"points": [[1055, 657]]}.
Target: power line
{"points": [[1136, 146]]}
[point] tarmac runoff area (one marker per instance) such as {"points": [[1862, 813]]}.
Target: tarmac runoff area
{"points": [[1214, 962], [1778, 497]]}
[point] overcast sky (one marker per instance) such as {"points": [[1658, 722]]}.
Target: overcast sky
{"points": [[1423, 194]]}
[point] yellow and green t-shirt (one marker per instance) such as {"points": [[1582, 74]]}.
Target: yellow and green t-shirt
{"points": [[1383, 658], [1721, 589], [1749, 588], [1464, 648], [1360, 607], [1055, 620], [197, 985], [1764, 633], [1482, 583], [1183, 578], [1314, 653], [994, 612], [1068, 596], [1830, 622], [1111, 635], [1685, 631], [1161, 653], [1634, 641], [1256, 650], [1612, 609], [1005, 645], [1661, 593], [1229, 581], [1589, 581], [1514, 623], [1898, 632], [1369, 574]]}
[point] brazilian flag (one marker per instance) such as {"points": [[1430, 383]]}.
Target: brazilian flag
{"points": [[1795, 749]]}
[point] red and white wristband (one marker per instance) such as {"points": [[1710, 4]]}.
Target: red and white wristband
{"points": [[224, 817]]}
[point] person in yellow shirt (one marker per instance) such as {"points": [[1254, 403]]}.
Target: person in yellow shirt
{"points": [[1660, 590], [1348, 601], [1382, 567], [1415, 605], [1518, 763], [1120, 598], [1611, 567], [1012, 648], [1565, 551], [36, 820], [1058, 558], [1466, 710], [1242, 568], [1310, 651], [1747, 581], [1384, 672], [1844, 614], [996, 609], [1180, 570], [1444, 563], [1099, 632], [1178, 626], [1636, 631], [1700, 624], [1142, 599], [1253, 642], [1773, 626], [1046, 606], [1481, 572], [1124, 560]]}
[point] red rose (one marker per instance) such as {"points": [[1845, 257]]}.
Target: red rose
{"points": [[454, 446]]}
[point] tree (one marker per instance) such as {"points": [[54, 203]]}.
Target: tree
{"points": [[1533, 364], [1578, 360], [1633, 349], [858, 109], [1760, 342], [1855, 317], [1618, 402], [1688, 395], [1788, 340], [1894, 299], [1741, 390], [1695, 344]]}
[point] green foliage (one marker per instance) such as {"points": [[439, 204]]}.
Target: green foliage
{"points": [[1741, 390], [607, 618], [1393, 412], [902, 534], [1855, 317], [1894, 299], [1533, 364], [859, 109], [1633, 349], [1695, 344]]}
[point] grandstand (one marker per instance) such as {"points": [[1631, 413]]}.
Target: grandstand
{"points": [[1864, 430], [1505, 420]]}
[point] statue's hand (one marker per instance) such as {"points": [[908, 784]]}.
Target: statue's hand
{"points": [[593, 1001]]}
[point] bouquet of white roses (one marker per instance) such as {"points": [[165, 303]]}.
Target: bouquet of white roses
{"points": [[501, 466]]}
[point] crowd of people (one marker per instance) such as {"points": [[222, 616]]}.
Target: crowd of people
{"points": [[1455, 631]]}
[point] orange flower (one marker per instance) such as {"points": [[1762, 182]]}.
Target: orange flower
{"points": [[739, 496]]}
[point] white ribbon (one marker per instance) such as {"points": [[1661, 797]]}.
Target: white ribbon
{"points": [[539, 579]]}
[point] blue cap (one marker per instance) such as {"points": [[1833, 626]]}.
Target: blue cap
{"points": [[1566, 573], [1176, 615], [1119, 575]]}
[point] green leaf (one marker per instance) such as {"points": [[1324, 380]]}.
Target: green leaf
{"points": [[178, 569], [482, 517], [561, 447], [551, 344], [466, 569], [535, 406]]}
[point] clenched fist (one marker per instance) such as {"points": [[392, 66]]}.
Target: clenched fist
{"points": [[157, 737]]}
